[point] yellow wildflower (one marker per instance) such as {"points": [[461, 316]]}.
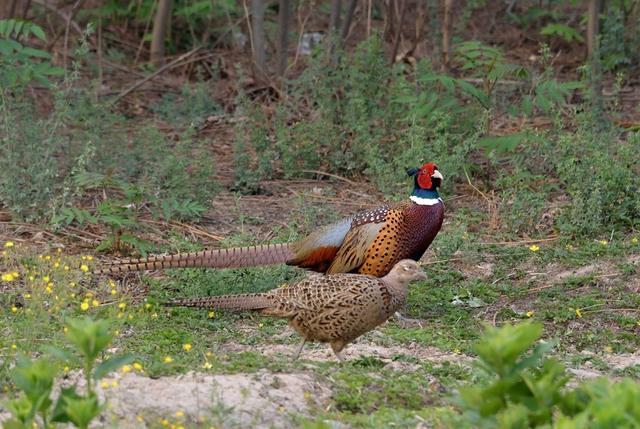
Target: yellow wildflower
{"points": [[207, 365], [65, 369], [8, 277], [89, 258], [634, 240], [579, 313], [48, 289], [65, 329], [95, 303], [122, 306], [47, 257], [603, 242], [59, 250], [307, 394], [534, 248], [164, 422], [186, 347], [45, 279], [126, 368], [14, 347], [15, 274], [154, 316], [211, 314], [84, 306], [72, 284], [208, 354], [137, 366], [139, 418], [84, 268], [130, 317], [179, 414], [167, 359], [147, 306], [114, 292], [14, 309], [608, 349], [120, 315], [8, 244], [114, 383], [530, 313], [56, 265], [104, 384], [27, 295]]}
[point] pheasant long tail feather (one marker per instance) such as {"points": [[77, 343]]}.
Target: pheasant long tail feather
{"points": [[251, 301], [251, 256]]}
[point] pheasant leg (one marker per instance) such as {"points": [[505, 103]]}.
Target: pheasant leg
{"points": [[304, 341]]}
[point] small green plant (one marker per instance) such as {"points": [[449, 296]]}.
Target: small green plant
{"points": [[35, 379], [520, 387], [489, 65], [565, 32], [20, 64]]}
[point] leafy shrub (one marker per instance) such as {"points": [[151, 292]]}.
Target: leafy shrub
{"points": [[190, 108], [518, 388], [601, 177], [20, 64], [50, 161], [35, 379], [362, 118]]}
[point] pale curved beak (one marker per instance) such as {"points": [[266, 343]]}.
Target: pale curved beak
{"points": [[422, 275], [437, 175]]}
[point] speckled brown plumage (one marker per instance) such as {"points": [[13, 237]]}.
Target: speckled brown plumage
{"points": [[334, 309], [369, 242]]}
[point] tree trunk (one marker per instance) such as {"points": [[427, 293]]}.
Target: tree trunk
{"points": [[398, 34], [283, 40], [334, 18], [593, 52], [160, 24], [257, 22], [12, 9], [592, 26], [446, 34], [346, 25], [25, 9]]}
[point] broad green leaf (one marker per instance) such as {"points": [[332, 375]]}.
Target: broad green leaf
{"points": [[112, 364]]}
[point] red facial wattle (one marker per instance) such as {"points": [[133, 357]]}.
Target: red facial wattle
{"points": [[424, 180]]}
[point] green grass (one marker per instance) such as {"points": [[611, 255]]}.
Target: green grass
{"points": [[454, 304]]}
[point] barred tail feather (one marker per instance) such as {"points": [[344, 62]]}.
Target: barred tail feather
{"points": [[266, 254], [250, 301]]}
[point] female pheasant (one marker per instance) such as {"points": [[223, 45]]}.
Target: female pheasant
{"points": [[334, 309], [370, 242]]}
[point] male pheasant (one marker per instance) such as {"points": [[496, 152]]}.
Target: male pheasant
{"points": [[369, 242], [334, 309]]}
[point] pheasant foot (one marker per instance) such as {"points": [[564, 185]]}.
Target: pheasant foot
{"points": [[407, 322]]}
